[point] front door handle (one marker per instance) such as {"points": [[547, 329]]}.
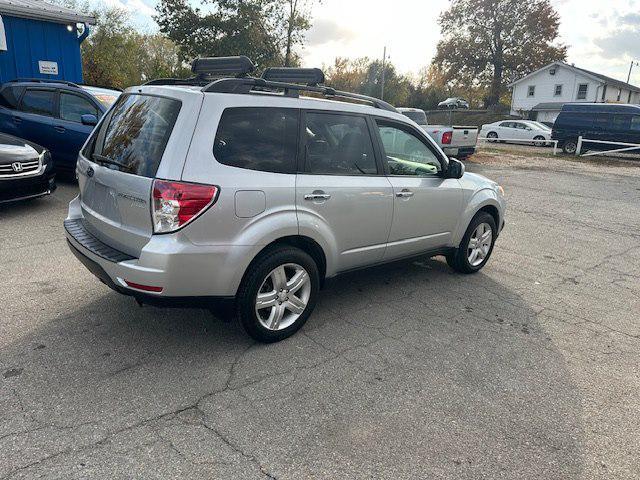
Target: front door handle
{"points": [[59, 129], [317, 196], [17, 120], [404, 194]]}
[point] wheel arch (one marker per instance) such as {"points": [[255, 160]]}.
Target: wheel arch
{"points": [[304, 243]]}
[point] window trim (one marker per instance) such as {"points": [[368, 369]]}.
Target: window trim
{"points": [[302, 154], [75, 94], [40, 89], [296, 162], [426, 140], [586, 91]]}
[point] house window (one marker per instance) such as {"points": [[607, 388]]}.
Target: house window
{"points": [[531, 92], [583, 88], [619, 93], [557, 92]]}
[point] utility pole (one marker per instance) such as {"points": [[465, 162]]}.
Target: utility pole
{"points": [[633, 63], [384, 60]]}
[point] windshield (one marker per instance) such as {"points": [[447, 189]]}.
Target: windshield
{"points": [[541, 125], [105, 96], [417, 116]]}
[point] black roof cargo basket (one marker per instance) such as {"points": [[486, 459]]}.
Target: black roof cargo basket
{"points": [[306, 76]]}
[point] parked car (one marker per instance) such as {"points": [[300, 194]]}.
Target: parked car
{"points": [[57, 115], [26, 170], [520, 131], [597, 121], [456, 141], [226, 188], [453, 103]]}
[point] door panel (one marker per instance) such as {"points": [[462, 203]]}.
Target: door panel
{"points": [[342, 190], [357, 211], [68, 128], [426, 205]]}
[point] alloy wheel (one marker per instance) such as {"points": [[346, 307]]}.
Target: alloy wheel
{"points": [[479, 244], [283, 296]]}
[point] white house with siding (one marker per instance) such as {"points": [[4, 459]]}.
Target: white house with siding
{"points": [[541, 94]]}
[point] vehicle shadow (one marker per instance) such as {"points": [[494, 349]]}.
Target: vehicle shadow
{"points": [[405, 370]]}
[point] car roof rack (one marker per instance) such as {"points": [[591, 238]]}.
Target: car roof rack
{"points": [[212, 74], [42, 80]]}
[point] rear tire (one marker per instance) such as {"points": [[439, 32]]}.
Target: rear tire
{"points": [[463, 259], [287, 280], [570, 146], [493, 136]]}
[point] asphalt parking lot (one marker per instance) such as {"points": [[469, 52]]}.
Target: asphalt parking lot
{"points": [[527, 370]]}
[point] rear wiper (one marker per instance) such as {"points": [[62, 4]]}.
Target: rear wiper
{"points": [[102, 159]]}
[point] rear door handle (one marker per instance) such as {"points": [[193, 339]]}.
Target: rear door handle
{"points": [[17, 120], [59, 128], [317, 196], [404, 194]]}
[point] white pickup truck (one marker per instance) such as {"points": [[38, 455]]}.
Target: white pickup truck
{"points": [[458, 142]]}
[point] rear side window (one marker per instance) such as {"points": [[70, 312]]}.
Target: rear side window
{"points": [[258, 138], [38, 101], [338, 145], [134, 135], [10, 96]]}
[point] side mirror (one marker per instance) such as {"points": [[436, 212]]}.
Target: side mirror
{"points": [[455, 169], [89, 119]]}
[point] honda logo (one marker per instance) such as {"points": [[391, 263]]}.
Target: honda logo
{"points": [[17, 167], [90, 172]]}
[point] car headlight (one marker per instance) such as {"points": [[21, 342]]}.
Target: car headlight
{"points": [[500, 190], [45, 157]]}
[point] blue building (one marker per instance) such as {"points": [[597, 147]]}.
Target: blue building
{"points": [[41, 40]]}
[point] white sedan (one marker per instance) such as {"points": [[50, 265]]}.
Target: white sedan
{"points": [[520, 131]]}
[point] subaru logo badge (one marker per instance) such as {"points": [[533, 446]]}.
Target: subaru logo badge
{"points": [[90, 172], [17, 167]]}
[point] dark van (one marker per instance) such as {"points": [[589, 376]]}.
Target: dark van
{"points": [[597, 121]]}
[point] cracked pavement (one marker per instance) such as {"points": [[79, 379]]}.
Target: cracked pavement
{"points": [[528, 369]]}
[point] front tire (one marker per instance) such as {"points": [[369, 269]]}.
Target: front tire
{"points": [[476, 245], [278, 294], [539, 141]]}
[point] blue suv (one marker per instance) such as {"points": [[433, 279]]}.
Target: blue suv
{"points": [[55, 114]]}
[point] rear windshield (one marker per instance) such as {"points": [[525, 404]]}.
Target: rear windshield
{"points": [[419, 117], [134, 134]]}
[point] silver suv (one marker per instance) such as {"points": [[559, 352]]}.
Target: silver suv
{"points": [[246, 188]]}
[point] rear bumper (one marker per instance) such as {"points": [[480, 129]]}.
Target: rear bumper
{"points": [[461, 152], [168, 262], [13, 190]]}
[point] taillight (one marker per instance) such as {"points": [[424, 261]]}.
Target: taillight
{"points": [[177, 203], [446, 138]]}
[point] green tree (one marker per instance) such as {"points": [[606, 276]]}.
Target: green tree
{"points": [[230, 27], [295, 21], [489, 43]]}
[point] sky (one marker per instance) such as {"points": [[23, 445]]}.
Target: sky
{"points": [[603, 36]]}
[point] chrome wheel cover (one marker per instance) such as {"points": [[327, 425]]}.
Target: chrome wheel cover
{"points": [[283, 296], [479, 244]]}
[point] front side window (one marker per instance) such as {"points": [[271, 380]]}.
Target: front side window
{"points": [[133, 137], [72, 107], [38, 101], [635, 123], [338, 145], [583, 88], [258, 138], [407, 154], [531, 91]]}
